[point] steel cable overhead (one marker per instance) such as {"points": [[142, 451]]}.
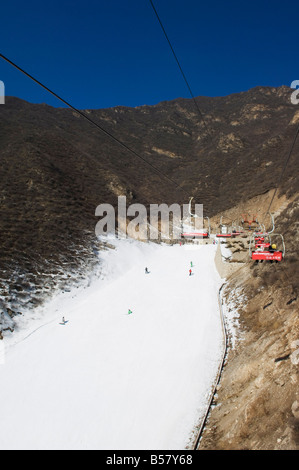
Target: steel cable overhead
{"points": [[183, 75], [91, 121], [200, 113], [181, 69]]}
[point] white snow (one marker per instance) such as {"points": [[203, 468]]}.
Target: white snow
{"points": [[109, 380], [231, 306]]}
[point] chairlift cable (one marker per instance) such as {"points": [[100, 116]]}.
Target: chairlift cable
{"points": [[180, 67], [91, 121]]}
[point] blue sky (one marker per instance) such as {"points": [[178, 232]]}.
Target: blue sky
{"points": [[100, 54]]}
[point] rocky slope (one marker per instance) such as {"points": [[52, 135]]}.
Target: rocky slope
{"points": [[257, 402], [56, 168]]}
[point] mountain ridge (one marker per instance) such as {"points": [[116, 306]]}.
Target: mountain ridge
{"points": [[57, 168]]}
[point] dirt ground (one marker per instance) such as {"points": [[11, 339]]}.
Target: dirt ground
{"points": [[256, 406]]}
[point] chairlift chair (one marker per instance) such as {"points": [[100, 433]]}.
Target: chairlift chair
{"points": [[200, 235], [224, 232], [266, 255]]}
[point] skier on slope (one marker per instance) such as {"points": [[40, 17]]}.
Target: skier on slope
{"points": [[129, 312], [146, 271], [190, 272]]}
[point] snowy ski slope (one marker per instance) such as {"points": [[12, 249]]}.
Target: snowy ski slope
{"points": [[109, 380]]}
